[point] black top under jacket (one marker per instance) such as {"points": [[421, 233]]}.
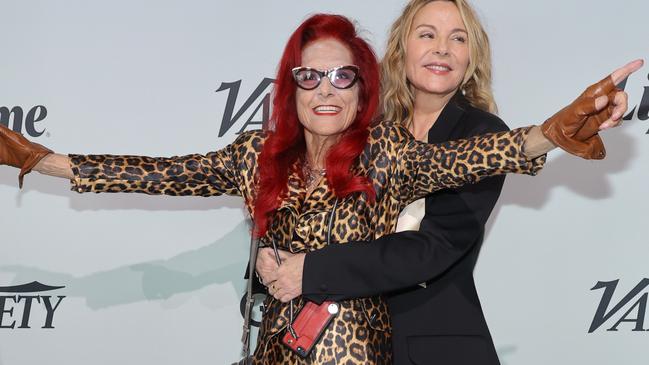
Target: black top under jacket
{"points": [[442, 323]]}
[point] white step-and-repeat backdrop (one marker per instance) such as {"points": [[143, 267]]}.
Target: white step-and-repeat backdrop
{"points": [[158, 280]]}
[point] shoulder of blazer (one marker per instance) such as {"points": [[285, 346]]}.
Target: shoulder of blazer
{"points": [[459, 119], [477, 121]]}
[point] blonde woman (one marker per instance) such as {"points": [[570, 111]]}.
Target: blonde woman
{"points": [[436, 79]]}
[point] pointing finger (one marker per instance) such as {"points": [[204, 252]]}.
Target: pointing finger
{"points": [[623, 72]]}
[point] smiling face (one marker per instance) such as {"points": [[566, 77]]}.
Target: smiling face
{"points": [[437, 50], [326, 111]]}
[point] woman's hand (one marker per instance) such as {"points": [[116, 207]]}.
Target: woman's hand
{"points": [[284, 282], [575, 127], [266, 265]]}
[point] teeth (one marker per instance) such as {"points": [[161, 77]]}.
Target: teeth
{"points": [[438, 68], [327, 108]]}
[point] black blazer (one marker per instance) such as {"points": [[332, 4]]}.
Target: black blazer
{"points": [[443, 322]]}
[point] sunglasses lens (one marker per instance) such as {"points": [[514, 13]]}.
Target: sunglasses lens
{"points": [[307, 79], [343, 77]]}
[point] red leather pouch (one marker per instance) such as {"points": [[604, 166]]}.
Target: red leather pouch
{"points": [[309, 325]]}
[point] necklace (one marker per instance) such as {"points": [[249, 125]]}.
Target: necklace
{"points": [[311, 175]]}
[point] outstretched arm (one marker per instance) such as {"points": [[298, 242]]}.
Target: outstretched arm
{"points": [[214, 173], [425, 168]]}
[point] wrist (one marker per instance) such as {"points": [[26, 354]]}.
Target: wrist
{"points": [[536, 144]]}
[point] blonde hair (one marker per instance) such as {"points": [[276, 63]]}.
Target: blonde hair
{"points": [[397, 94]]}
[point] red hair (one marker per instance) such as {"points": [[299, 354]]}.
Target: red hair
{"points": [[285, 144]]}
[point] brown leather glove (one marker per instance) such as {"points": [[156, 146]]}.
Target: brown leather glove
{"points": [[575, 128], [17, 151]]}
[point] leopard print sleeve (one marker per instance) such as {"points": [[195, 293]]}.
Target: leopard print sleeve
{"points": [[424, 168], [225, 171]]}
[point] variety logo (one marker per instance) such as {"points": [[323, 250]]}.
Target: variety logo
{"points": [[23, 121], [606, 310], [259, 97], [23, 296]]}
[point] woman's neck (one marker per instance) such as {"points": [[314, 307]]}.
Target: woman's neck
{"points": [[428, 107], [316, 149]]}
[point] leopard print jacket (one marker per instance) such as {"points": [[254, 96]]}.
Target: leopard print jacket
{"points": [[401, 170]]}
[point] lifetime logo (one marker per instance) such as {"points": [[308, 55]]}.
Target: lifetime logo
{"points": [[8, 316], [635, 314], [34, 115], [640, 111]]}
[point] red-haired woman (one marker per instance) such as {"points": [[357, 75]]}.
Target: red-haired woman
{"points": [[322, 173]]}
